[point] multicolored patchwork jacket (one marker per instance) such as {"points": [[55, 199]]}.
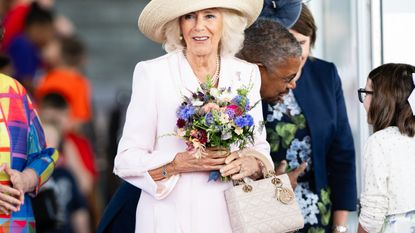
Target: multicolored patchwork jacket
{"points": [[22, 145]]}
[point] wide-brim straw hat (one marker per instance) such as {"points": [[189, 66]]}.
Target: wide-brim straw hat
{"points": [[157, 13]]}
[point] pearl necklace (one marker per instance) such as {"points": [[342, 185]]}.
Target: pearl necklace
{"points": [[214, 79]]}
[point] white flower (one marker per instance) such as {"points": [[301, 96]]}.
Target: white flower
{"points": [[197, 103], [215, 93], [238, 130], [181, 132], [224, 118], [226, 135]]}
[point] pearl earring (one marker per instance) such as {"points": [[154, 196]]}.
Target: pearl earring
{"points": [[180, 37]]}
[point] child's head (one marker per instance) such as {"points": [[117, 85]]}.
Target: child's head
{"points": [[388, 105], [38, 25], [73, 51], [53, 107]]}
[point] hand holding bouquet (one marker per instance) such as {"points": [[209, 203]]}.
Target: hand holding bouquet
{"points": [[215, 119]]}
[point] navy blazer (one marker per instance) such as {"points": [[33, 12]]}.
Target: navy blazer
{"points": [[119, 215], [319, 94]]}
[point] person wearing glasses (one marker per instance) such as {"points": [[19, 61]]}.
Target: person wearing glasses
{"points": [[310, 128], [387, 199]]}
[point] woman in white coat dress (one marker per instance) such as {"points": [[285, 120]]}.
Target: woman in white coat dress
{"points": [[201, 38]]}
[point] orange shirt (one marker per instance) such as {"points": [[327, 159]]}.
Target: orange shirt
{"points": [[73, 86]]}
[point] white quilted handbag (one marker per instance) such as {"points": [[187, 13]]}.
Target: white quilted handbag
{"points": [[264, 206]]}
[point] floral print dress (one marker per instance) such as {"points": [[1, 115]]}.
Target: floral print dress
{"points": [[290, 140]]}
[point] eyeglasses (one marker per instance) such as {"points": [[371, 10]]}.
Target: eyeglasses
{"points": [[362, 93]]}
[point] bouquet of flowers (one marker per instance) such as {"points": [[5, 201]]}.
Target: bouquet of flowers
{"points": [[213, 118]]}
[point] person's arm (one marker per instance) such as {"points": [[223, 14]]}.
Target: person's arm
{"points": [[374, 199], [138, 161], [341, 159], [340, 218], [40, 159], [260, 138], [186, 162], [360, 229]]}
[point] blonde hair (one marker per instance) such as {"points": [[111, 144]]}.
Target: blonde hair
{"points": [[232, 36]]}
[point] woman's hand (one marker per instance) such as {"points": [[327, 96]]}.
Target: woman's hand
{"points": [[24, 181], [240, 167], [10, 198], [210, 161], [294, 174]]}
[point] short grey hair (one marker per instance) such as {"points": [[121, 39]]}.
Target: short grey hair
{"points": [[232, 36], [267, 42]]}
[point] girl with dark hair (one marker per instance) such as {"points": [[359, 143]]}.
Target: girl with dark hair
{"points": [[388, 160]]}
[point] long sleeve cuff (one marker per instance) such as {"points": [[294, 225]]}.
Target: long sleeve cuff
{"points": [[373, 213]]}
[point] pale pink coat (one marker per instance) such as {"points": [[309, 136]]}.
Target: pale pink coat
{"points": [[185, 203]]}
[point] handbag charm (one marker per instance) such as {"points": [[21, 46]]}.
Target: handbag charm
{"points": [[263, 206], [282, 194]]}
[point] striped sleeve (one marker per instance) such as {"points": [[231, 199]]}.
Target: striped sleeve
{"points": [[40, 158]]}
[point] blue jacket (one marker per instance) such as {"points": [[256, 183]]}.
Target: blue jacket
{"points": [[119, 215], [320, 96]]}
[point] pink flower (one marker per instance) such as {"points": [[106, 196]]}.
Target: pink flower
{"points": [[236, 109], [209, 106]]}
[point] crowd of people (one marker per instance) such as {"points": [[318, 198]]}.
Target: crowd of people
{"points": [[46, 110]]}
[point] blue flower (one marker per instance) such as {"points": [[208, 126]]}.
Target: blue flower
{"points": [[249, 120], [293, 164], [209, 119], [295, 145], [240, 121], [237, 99], [291, 154], [214, 175], [185, 112]]}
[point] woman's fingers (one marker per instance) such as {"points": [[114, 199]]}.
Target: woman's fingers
{"points": [[231, 157], [231, 168], [281, 168], [8, 206], [9, 190], [10, 199]]}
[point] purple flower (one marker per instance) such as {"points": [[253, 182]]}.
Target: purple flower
{"points": [[209, 118], [185, 112], [230, 112]]}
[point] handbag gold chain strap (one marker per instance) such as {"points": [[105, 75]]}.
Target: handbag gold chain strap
{"points": [[282, 194]]}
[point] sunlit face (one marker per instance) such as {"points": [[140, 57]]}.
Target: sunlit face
{"points": [[202, 31], [275, 84], [368, 97], [305, 45]]}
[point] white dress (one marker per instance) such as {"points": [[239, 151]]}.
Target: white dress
{"points": [[388, 196], [185, 203]]}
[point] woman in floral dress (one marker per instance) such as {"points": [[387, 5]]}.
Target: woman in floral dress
{"points": [[310, 127]]}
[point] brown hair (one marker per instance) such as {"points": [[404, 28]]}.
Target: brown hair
{"points": [[392, 84], [305, 25]]}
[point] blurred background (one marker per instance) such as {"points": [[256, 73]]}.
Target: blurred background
{"points": [[99, 44]]}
